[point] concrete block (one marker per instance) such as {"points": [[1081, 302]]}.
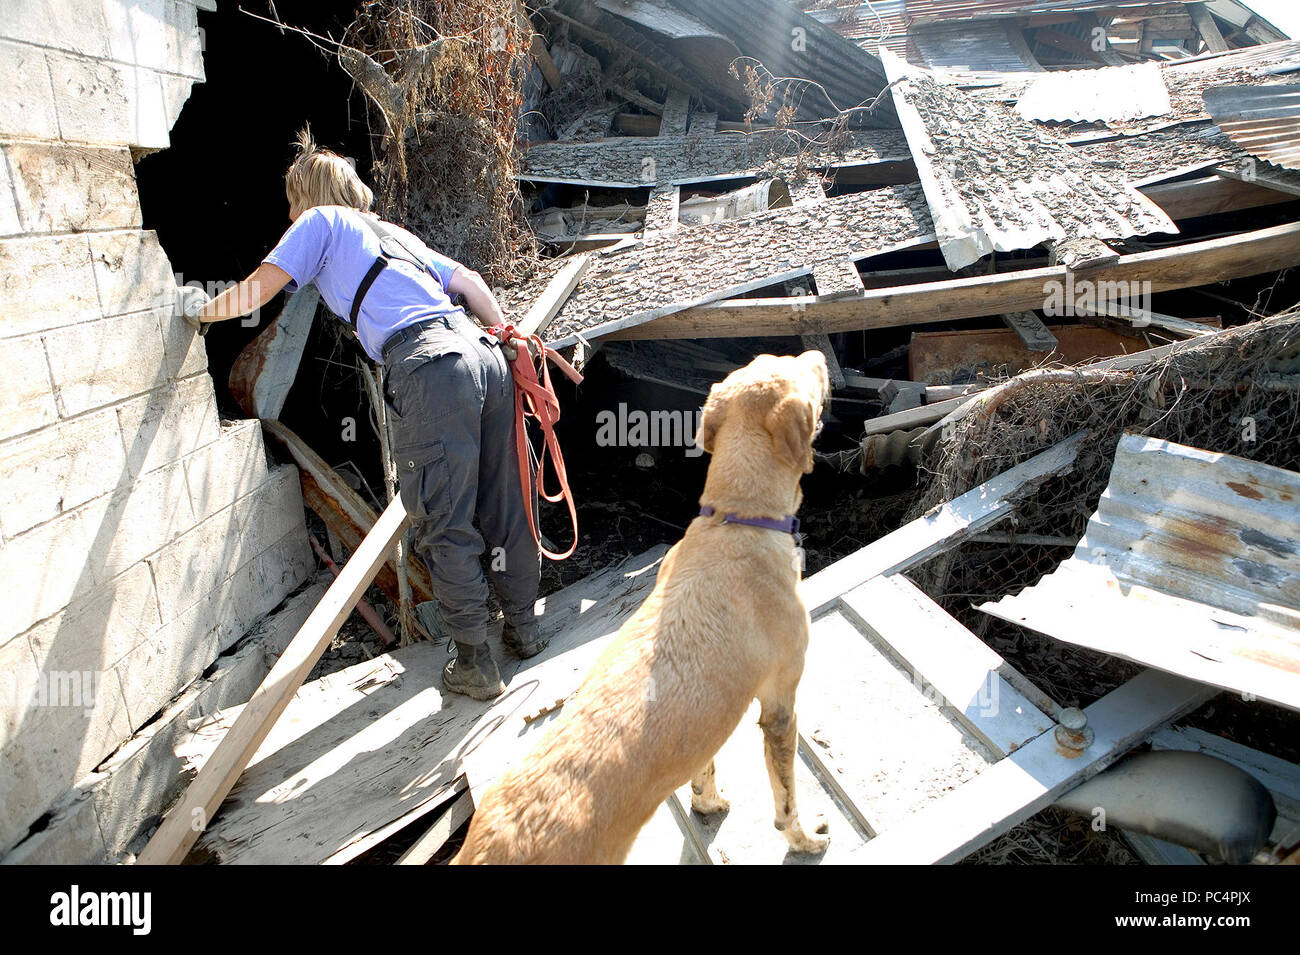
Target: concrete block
{"points": [[19, 674], [77, 26], [46, 282], [141, 520], [168, 423], [61, 188], [9, 224], [160, 34], [176, 93], [29, 403], [71, 836], [184, 352], [202, 559], [66, 731], [100, 363], [104, 102], [232, 466], [146, 774], [59, 468], [96, 631], [26, 94], [47, 567], [132, 272], [166, 662]]}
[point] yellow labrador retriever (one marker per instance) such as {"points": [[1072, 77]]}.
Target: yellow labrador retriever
{"points": [[724, 625]]}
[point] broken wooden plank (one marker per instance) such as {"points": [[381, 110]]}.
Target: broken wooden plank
{"points": [[1033, 777], [1183, 266], [265, 370], [976, 510], [183, 825], [822, 343], [1033, 333], [364, 752], [1207, 28], [443, 828], [558, 290], [1212, 195], [676, 114], [1145, 318], [345, 513], [965, 671]]}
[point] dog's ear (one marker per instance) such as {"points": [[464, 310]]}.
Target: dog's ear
{"points": [[711, 419], [791, 423]]}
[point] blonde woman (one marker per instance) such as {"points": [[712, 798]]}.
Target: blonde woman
{"points": [[449, 394]]}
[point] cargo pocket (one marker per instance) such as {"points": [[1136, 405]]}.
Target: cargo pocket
{"points": [[423, 480]]}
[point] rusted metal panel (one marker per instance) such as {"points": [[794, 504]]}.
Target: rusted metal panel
{"points": [[790, 43], [942, 358], [1191, 564], [1263, 120]]}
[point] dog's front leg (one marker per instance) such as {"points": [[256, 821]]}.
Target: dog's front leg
{"points": [[705, 798], [780, 739]]}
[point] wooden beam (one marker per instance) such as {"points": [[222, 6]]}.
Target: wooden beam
{"points": [[1132, 318], [427, 846], [964, 670], [1183, 266], [1032, 777], [346, 513], [1211, 195], [557, 291], [1207, 28], [190, 817], [976, 510]]}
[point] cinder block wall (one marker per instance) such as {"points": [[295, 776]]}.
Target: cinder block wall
{"points": [[139, 535]]}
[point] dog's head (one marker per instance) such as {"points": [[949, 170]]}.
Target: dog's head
{"points": [[782, 395]]}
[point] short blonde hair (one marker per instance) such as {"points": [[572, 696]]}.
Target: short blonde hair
{"points": [[319, 177]]}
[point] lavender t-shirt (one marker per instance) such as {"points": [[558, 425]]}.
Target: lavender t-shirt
{"points": [[333, 247]]}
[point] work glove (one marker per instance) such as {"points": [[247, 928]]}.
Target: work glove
{"points": [[190, 302]]}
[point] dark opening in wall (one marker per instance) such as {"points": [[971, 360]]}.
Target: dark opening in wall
{"points": [[216, 196]]}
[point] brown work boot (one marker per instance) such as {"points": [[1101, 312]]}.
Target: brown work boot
{"points": [[472, 672], [525, 640]]}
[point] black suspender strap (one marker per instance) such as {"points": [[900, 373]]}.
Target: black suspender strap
{"points": [[376, 267], [387, 243]]}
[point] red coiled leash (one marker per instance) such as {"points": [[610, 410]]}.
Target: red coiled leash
{"points": [[535, 398]]}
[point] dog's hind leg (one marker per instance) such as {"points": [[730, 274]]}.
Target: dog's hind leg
{"points": [[705, 798], [780, 739]]}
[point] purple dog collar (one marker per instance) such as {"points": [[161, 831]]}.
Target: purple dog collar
{"points": [[786, 525]]}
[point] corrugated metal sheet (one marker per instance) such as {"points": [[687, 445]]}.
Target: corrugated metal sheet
{"points": [[1108, 93], [972, 48], [919, 11], [870, 26], [660, 17], [1191, 564], [764, 29], [996, 182], [1263, 120]]}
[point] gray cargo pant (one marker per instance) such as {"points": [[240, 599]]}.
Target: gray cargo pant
{"points": [[451, 418]]}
